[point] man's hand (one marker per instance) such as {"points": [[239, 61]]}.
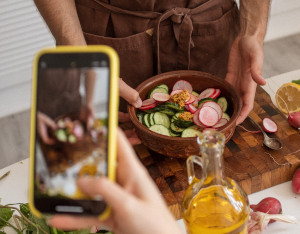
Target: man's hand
{"points": [[43, 123], [129, 94], [244, 71]]}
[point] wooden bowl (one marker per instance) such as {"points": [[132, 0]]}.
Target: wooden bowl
{"points": [[177, 146]]}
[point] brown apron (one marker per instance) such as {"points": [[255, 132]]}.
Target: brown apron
{"points": [[159, 36]]}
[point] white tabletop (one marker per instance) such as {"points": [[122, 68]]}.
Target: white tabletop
{"points": [[14, 187]]}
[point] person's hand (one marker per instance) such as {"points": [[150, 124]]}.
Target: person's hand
{"points": [[245, 70], [87, 115], [43, 123], [129, 94], [133, 98], [136, 204]]}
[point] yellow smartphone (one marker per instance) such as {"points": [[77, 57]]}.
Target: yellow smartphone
{"points": [[73, 127]]}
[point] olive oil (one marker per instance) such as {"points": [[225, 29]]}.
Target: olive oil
{"points": [[213, 203]]}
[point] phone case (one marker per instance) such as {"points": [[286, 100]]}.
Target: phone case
{"points": [[112, 115]]}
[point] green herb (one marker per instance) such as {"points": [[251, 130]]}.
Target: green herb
{"points": [[296, 81], [23, 221]]}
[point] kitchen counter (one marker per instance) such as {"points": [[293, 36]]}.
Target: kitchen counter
{"points": [[14, 187]]}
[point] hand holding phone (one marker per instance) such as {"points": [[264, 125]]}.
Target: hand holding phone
{"points": [[73, 127]]}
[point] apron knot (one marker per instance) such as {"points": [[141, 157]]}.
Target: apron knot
{"points": [[182, 28]]}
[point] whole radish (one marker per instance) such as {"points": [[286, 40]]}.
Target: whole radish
{"points": [[269, 205], [296, 181], [294, 119]]}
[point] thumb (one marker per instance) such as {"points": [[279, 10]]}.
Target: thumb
{"points": [[129, 94]]}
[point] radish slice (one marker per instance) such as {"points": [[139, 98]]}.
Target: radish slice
{"points": [[142, 108], [147, 102], [187, 107], [175, 92], [191, 99], [196, 119], [216, 106], [183, 84], [216, 94], [221, 123], [206, 93], [196, 101], [192, 108], [161, 97], [269, 125], [208, 116]]}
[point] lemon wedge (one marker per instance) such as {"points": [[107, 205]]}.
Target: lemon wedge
{"points": [[288, 95]]}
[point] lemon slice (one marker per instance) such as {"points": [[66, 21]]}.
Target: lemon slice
{"points": [[290, 94]]}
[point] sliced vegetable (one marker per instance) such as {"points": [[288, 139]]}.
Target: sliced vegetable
{"points": [[220, 123], [223, 103], [203, 100], [190, 132], [164, 86], [148, 102], [161, 97], [196, 119], [216, 106], [143, 108], [208, 116], [269, 125], [207, 93], [160, 129], [191, 99], [216, 93], [157, 90], [192, 108], [226, 116], [161, 119], [183, 84]]}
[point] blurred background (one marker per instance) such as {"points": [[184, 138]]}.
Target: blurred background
{"points": [[23, 32]]}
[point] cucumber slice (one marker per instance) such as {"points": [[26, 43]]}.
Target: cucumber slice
{"points": [[183, 123], [161, 119], [157, 90], [225, 116], [151, 120], [146, 120], [223, 103], [160, 129], [173, 134], [190, 132], [173, 106], [167, 111], [139, 115], [203, 100], [164, 86], [195, 93], [175, 128]]}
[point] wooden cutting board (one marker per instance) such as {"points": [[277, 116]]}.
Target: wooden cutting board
{"points": [[246, 160]]}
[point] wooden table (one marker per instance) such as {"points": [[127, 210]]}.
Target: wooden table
{"points": [[246, 160]]}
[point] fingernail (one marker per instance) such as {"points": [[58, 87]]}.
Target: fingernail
{"points": [[138, 103]]}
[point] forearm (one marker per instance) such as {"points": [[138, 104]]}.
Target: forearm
{"points": [[254, 16], [62, 20]]}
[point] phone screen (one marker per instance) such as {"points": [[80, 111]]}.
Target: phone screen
{"points": [[72, 109]]}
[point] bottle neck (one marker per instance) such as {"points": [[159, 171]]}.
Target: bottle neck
{"points": [[212, 147], [214, 165]]}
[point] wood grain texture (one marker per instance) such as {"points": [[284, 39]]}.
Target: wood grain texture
{"points": [[246, 160]]}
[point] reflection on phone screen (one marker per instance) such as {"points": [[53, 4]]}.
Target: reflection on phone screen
{"points": [[71, 126]]}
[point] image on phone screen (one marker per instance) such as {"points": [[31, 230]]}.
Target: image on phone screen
{"points": [[71, 124]]}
